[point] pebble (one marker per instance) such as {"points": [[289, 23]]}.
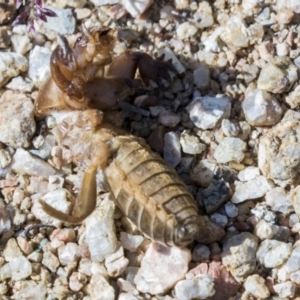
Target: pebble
{"points": [[235, 33], [272, 253], [5, 38], [293, 263], [116, 263], [50, 261], [261, 108], [248, 174], [100, 231], [285, 289], [191, 144], [278, 200], [152, 278], [202, 76], [203, 16], [5, 223], [169, 55], [250, 72], [264, 230], [26, 164], [20, 268], [130, 242], [208, 112], [21, 43], [202, 171], [172, 149], [238, 255], [39, 65], [256, 286], [199, 287], [100, 289], [200, 253], [219, 219], [16, 111], [230, 149], [252, 189], [64, 23], [215, 195], [5, 158], [292, 5], [186, 30], [168, 118], [225, 285], [136, 8], [104, 2], [11, 250], [278, 75], [68, 253], [230, 128], [11, 65], [231, 210], [20, 84]]}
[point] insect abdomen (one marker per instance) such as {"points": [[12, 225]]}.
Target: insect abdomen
{"points": [[151, 194]]}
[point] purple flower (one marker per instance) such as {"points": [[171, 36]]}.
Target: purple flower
{"points": [[33, 10]]}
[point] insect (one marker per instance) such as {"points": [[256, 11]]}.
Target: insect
{"points": [[149, 192]]}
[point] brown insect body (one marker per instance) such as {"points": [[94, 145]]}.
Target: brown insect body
{"points": [[149, 192]]}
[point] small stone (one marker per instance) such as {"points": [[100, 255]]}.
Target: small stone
{"points": [[186, 30], [82, 13], [172, 149], [202, 76], [292, 5], [5, 158], [24, 245], [50, 261], [35, 257], [100, 289], [11, 250], [256, 286], [7, 11], [104, 2], [272, 253], [20, 268], [239, 255], [248, 174], [100, 231], [224, 284], [285, 289], [204, 15], [136, 8], [154, 276], [191, 144], [230, 149], [77, 281], [279, 201], [39, 64], [26, 164], [130, 242], [208, 112], [265, 230], [235, 33], [202, 172], [230, 128], [231, 210], [64, 23], [200, 253], [168, 118], [68, 253], [250, 72], [277, 76], [252, 189], [19, 84], [261, 108], [21, 43], [11, 65], [215, 195], [293, 263], [199, 287], [219, 219], [116, 263]]}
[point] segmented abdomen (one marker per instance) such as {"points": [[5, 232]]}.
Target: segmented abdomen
{"points": [[150, 193]]}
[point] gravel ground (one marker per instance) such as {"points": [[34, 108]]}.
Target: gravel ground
{"points": [[228, 122]]}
